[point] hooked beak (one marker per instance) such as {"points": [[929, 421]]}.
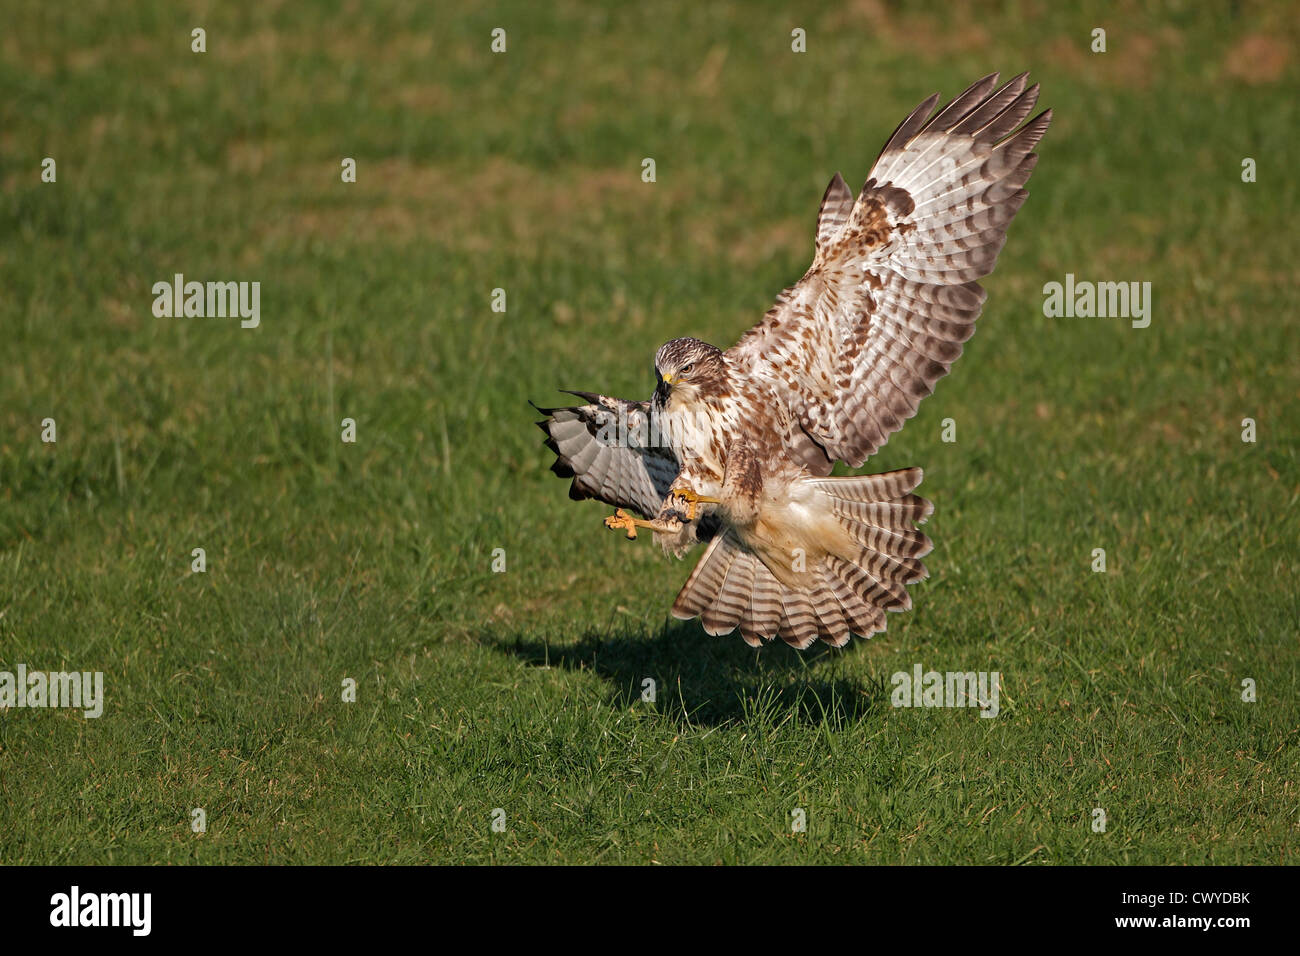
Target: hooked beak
{"points": [[663, 388]]}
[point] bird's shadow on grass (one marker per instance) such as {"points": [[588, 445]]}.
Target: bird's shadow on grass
{"points": [[704, 680]]}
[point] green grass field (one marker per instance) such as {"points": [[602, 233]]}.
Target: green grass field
{"points": [[522, 690]]}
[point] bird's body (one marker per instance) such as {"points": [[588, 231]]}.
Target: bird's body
{"points": [[736, 447]]}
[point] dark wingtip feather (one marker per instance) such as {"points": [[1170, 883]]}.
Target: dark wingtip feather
{"points": [[1034, 130], [910, 126]]}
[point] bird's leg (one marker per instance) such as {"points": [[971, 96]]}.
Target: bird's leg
{"points": [[621, 520], [689, 496]]}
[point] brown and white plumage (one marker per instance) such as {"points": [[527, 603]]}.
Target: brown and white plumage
{"points": [[634, 474], [837, 365], [891, 295]]}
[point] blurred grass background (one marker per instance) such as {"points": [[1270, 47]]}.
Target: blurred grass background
{"points": [[521, 690]]}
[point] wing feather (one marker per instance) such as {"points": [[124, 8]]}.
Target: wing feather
{"points": [[611, 452], [893, 291]]}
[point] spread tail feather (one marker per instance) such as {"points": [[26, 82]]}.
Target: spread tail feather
{"points": [[846, 588]]}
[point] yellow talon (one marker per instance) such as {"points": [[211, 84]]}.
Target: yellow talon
{"points": [[689, 496], [621, 520]]}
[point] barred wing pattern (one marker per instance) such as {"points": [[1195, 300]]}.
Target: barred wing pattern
{"points": [[892, 295], [610, 450]]}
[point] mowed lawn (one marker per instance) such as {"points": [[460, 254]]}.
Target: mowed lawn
{"points": [[521, 691]]}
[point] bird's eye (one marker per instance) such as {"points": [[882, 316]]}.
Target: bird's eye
{"points": [[686, 369]]}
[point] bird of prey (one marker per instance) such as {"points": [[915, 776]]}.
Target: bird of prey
{"points": [[736, 447]]}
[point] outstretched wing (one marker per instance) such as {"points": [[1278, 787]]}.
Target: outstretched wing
{"points": [[611, 451], [891, 295]]}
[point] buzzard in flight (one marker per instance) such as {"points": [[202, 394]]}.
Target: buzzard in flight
{"points": [[736, 447]]}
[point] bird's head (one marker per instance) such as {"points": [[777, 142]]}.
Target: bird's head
{"points": [[687, 370]]}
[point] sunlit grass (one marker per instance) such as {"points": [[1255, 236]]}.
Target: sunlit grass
{"points": [[523, 690]]}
